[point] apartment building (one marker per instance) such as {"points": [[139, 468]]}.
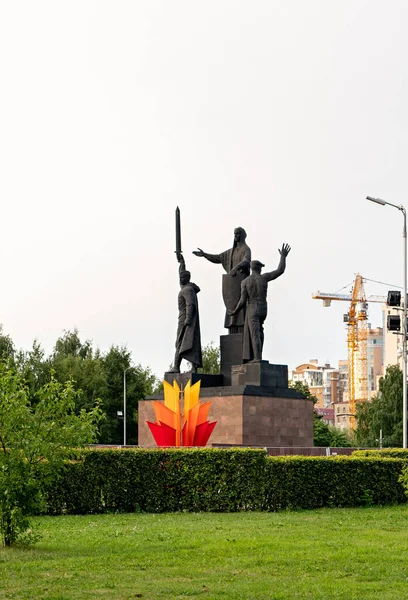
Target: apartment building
{"points": [[375, 359], [322, 380]]}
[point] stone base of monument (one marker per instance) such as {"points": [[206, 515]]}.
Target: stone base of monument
{"points": [[260, 373], [183, 378], [230, 354], [257, 409]]}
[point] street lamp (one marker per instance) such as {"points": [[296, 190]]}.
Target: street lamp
{"points": [[124, 404], [404, 317]]}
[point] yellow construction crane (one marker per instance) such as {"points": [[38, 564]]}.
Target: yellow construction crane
{"points": [[357, 333]]}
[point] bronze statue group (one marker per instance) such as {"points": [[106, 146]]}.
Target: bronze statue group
{"points": [[245, 290]]}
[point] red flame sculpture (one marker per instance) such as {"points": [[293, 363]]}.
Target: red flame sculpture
{"points": [[174, 427]]}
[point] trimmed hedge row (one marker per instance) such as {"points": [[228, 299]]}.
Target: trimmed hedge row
{"points": [[159, 481], [224, 480], [316, 482], [383, 453]]}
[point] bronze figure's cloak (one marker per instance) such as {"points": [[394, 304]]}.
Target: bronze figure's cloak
{"points": [[189, 337], [234, 256], [237, 255]]}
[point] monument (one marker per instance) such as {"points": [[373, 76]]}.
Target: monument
{"points": [[188, 338], [254, 290], [236, 263], [251, 400]]}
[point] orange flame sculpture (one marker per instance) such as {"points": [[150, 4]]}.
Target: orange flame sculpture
{"points": [[176, 428]]}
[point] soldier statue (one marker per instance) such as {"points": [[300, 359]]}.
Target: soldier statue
{"points": [[254, 290], [188, 341]]}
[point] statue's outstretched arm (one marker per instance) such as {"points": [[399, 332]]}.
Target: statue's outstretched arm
{"points": [[214, 258], [284, 251]]}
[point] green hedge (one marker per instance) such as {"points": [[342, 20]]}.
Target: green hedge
{"points": [[225, 480], [159, 481], [316, 482], [384, 453]]}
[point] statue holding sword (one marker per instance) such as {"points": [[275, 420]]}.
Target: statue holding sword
{"points": [[188, 340]]}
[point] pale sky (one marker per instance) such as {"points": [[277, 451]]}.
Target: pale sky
{"points": [[277, 116]]}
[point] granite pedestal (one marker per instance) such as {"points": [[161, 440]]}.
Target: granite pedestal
{"points": [[258, 409], [183, 378], [260, 373], [230, 354]]}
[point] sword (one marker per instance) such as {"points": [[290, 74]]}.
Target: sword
{"points": [[178, 233]]}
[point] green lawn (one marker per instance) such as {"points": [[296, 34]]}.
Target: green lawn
{"points": [[348, 554]]}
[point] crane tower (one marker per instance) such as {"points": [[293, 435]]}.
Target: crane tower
{"points": [[357, 333], [357, 330]]}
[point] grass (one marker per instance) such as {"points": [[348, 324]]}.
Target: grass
{"points": [[345, 554]]}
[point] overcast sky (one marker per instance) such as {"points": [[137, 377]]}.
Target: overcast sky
{"points": [[277, 116]]}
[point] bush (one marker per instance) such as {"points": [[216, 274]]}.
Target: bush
{"points": [[33, 438], [316, 482], [225, 480], [404, 479], [159, 480], [19, 497], [384, 453]]}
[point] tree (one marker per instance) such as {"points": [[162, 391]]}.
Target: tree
{"points": [[323, 434], [70, 345], [33, 438], [211, 359], [98, 378], [75, 360], [7, 348], [384, 412], [303, 388], [34, 368], [140, 382]]}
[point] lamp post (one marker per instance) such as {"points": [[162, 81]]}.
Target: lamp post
{"points": [[124, 405], [404, 317]]}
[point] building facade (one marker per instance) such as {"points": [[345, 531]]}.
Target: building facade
{"points": [[322, 381], [342, 416], [330, 385], [375, 359], [343, 380]]}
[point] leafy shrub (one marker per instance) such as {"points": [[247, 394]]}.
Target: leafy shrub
{"points": [[404, 479], [316, 482], [227, 480], [19, 497], [384, 453], [159, 480], [33, 438]]}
